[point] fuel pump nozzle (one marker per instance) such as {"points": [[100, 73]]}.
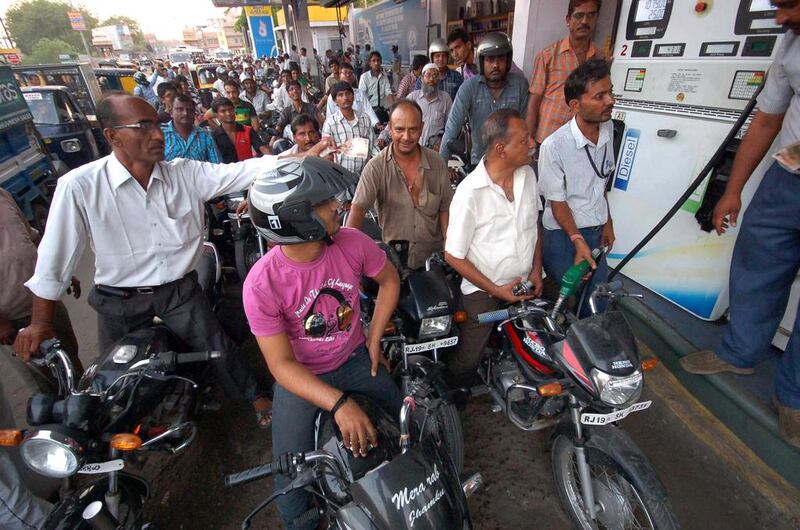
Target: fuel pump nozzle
{"points": [[573, 279]]}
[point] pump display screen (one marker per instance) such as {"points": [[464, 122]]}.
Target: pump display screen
{"points": [[761, 5], [649, 10]]}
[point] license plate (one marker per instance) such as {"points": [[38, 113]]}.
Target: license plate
{"points": [[101, 467], [605, 419], [426, 346]]}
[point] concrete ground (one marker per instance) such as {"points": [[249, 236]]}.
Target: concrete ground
{"points": [[712, 481]]}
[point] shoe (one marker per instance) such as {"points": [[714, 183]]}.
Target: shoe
{"points": [[706, 362], [788, 423]]}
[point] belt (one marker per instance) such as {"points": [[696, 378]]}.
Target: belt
{"points": [[127, 292]]}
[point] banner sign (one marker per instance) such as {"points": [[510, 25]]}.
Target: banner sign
{"points": [[13, 109], [259, 19], [76, 21], [387, 23]]}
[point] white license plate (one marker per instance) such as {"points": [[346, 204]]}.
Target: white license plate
{"points": [[426, 346], [605, 419], [102, 467]]}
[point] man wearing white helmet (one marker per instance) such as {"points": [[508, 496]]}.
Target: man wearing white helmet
{"points": [[435, 105], [449, 80]]}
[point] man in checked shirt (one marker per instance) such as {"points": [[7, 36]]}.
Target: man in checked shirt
{"points": [[347, 125]]}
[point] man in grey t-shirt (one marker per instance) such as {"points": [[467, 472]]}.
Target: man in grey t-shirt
{"points": [[767, 252]]}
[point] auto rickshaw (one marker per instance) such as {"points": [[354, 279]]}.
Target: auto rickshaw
{"points": [[203, 77], [115, 79]]}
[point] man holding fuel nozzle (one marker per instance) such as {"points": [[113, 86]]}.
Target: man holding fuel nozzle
{"points": [[575, 163], [767, 252], [493, 237]]}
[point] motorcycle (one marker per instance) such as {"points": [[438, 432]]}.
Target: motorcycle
{"points": [[421, 327], [404, 482], [547, 369], [234, 233], [459, 162], [139, 397]]}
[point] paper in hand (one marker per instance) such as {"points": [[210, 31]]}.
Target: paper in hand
{"points": [[789, 157], [356, 148]]}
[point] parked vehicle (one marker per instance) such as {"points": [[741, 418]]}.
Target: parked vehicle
{"points": [[546, 369], [422, 326], [26, 170], [402, 483], [64, 127], [203, 77], [118, 79]]}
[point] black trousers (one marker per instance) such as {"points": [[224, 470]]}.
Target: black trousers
{"points": [[186, 312]]}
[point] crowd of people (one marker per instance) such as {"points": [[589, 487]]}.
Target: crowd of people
{"points": [[534, 203]]}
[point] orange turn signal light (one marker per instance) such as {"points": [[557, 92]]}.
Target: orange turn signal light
{"points": [[460, 316], [125, 442], [649, 364], [10, 437], [550, 389]]}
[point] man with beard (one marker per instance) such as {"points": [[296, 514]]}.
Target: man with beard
{"points": [[449, 80], [547, 110], [575, 164], [409, 186], [435, 106], [497, 87], [767, 252]]}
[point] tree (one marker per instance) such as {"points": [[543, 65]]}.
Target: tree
{"points": [[136, 32], [32, 20], [47, 51]]}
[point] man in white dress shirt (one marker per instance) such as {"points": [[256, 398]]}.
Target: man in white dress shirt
{"points": [[493, 237], [575, 163], [143, 218]]}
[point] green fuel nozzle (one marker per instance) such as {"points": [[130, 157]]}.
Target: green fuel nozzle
{"points": [[573, 279]]}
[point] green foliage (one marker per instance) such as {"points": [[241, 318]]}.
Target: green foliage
{"points": [[136, 32], [32, 20], [47, 51], [241, 22]]}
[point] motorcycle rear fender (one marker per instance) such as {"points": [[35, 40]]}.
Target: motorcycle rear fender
{"points": [[67, 514]]}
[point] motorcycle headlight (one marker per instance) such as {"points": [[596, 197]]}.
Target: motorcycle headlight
{"points": [[232, 203], [51, 454], [435, 326], [124, 353], [617, 391]]}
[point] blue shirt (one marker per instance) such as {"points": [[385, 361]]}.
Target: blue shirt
{"points": [[199, 146], [147, 92], [450, 83], [475, 102]]}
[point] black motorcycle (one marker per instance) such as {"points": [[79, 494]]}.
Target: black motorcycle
{"points": [[400, 484], [239, 242], [422, 326], [547, 369], [140, 396]]}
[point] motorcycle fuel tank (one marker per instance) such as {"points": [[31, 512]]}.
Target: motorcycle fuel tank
{"points": [[419, 489], [425, 295]]}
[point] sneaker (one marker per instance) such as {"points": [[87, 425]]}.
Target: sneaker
{"points": [[788, 423], [706, 362]]}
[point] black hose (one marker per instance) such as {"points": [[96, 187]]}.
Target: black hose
{"points": [[694, 185]]}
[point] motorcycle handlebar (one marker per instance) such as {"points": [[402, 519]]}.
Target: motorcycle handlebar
{"points": [[248, 475], [614, 286], [494, 316], [197, 356]]}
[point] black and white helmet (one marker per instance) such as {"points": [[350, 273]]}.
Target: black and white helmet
{"points": [[282, 201]]}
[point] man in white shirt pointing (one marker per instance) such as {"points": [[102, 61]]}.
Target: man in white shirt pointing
{"points": [[143, 218]]}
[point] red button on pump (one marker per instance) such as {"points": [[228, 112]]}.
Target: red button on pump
{"points": [[699, 7]]}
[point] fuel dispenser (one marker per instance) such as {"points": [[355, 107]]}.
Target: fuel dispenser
{"points": [[683, 72]]}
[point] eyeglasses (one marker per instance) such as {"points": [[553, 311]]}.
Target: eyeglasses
{"points": [[588, 16], [144, 126]]}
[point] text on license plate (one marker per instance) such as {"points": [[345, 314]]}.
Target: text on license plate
{"points": [[425, 346], [604, 419]]}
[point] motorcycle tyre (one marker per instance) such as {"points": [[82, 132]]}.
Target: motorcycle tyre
{"points": [[241, 249], [447, 417], [612, 447]]}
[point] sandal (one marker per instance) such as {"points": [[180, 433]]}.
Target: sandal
{"points": [[264, 418]]}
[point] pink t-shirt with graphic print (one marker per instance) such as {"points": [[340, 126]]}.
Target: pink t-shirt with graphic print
{"points": [[280, 294]]}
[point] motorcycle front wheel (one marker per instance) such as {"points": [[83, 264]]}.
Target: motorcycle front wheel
{"points": [[247, 253], [627, 491]]}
